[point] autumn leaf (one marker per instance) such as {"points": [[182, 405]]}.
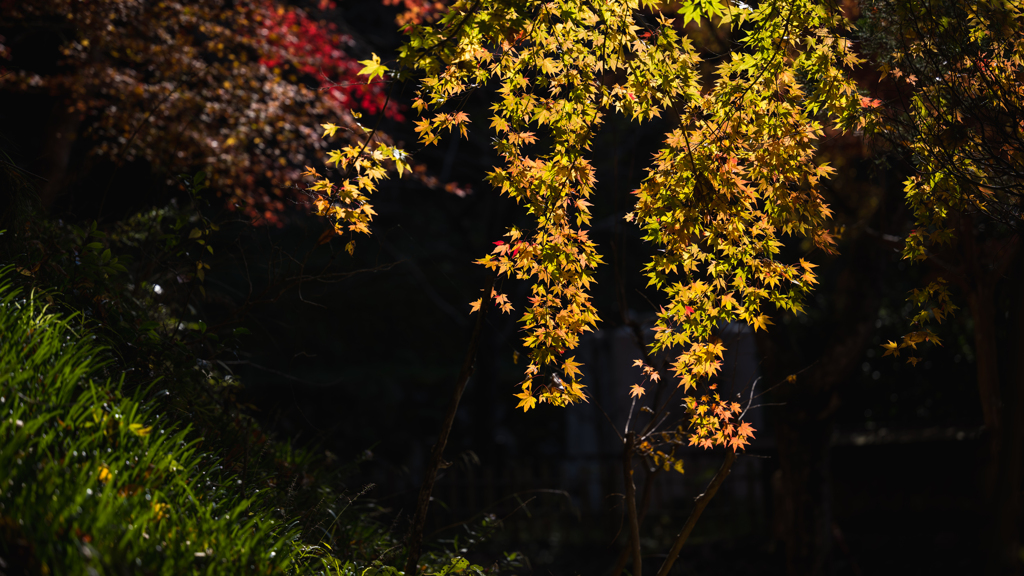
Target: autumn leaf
{"points": [[761, 322], [372, 68], [161, 510], [571, 368], [329, 130], [636, 391], [891, 348], [527, 401]]}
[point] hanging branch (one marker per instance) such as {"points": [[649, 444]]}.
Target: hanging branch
{"points": [[415, 541]]}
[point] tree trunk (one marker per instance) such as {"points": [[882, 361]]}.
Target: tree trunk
{"points": [[983, 313], [56, 158], [806, 503], [985, 266], [1003, 477], [806, 422]]}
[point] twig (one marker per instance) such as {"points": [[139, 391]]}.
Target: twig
{"points": [[502, 499], [751, 400], [634, 524], [415, 541]]}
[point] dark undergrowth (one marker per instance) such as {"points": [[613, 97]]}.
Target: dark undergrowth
{"points": [[123, 446]]}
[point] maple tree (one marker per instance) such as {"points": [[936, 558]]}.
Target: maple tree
{"points": [[237, 85], [735, 176], [957, 108], [953, 107]]}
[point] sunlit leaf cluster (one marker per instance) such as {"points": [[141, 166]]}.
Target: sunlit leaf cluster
{"points": [[952, 73], [735, 175], [957, 105]]}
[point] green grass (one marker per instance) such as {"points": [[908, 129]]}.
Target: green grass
{"points": [[94, 481], [98, 478]]}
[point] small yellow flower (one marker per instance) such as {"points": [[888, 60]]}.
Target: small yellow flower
{"points": [[105, 474], [161, 510]]}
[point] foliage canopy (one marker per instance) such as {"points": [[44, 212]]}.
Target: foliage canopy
{"points": [[735, 174]]}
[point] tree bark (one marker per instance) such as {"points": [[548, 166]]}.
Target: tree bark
{"points": [[56, 157], [645, 502], [985, 266]]}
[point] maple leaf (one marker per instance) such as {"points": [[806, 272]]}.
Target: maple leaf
{"points": [[527, 401], [372, 68], [636, 391], [329, 129], [571, 368], [761, 322], [866, 102], [891, 348]]}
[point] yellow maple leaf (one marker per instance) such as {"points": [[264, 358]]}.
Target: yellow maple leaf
{"points": [[372, 68], [526, 401], [329, 129], [637, 391], [891, 348], [571, 368], [761, 322]]}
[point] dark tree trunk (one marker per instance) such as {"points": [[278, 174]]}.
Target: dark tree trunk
{"points": [[56, 158], [806, 422], [805, 508], [1003, 477], [1000, 377]]}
